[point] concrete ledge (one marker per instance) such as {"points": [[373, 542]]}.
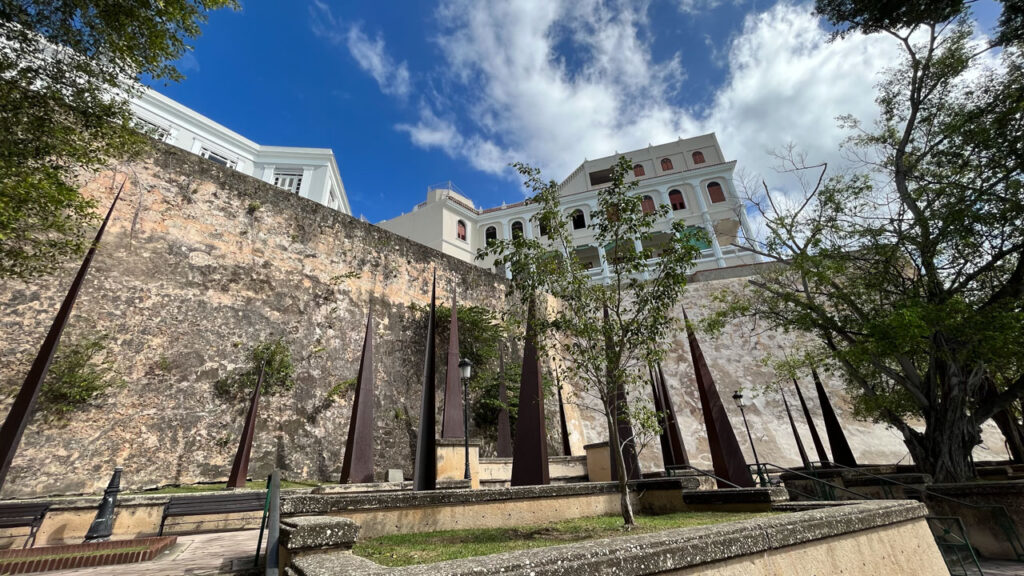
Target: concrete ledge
{"points": [[734, 499], [305, 504], [366, 487], [738, 547], [313, 532]]}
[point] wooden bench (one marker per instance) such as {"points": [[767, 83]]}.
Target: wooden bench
{"points": [[216, 503], [29, 514]]}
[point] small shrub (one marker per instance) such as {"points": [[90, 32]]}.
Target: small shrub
{"points": [[253, 207], [278, 376], [340, 389], [79, 373]]}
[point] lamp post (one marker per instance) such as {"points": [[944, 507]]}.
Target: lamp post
{"points": [[737, 397], [465, 371]]}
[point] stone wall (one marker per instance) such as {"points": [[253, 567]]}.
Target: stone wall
{"points": [[198, 264]]}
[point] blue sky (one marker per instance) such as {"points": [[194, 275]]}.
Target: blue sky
{"points": [[409, 94]]}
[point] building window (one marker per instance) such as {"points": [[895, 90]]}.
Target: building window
{"points": [[600, 177], [579, 221], [675, 197], [647, 203], [460, 230], [715, 192], [290, 180], [517, 229], [491, 235], [152, 129], [698, 157], [666, 164], [217, 158], [638, 170], [543, 228]]}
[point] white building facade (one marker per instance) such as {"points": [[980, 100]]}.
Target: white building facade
{"points": [[308, 172], [689, 176]]}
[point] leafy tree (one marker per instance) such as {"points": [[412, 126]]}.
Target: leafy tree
{"points": [[67, 70], [606, 334], [910, 270]]}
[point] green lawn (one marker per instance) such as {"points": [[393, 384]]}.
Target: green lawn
{"points": [[193, 488], [428, 547]]}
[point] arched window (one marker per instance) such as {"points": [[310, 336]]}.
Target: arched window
{"points": [[675, 197], [666, 164], [647, 203], [460, 230], [715, 192], [638, 170], [698, 157], [543, 228], [579, 221], [491, 235], [517, 229]]}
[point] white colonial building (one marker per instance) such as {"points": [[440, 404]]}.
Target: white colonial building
{"points": [[690, 176], [308, 172]]}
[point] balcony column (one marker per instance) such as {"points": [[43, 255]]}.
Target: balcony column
{"points": [[741, 210], [506, 233], [604, 263], [708, 226]]}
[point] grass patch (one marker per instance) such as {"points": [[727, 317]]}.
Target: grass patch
{"points": [[75, 554], [198, 488], [428, 547]]}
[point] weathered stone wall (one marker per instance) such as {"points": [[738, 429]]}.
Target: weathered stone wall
{"points": [[198, 264]]}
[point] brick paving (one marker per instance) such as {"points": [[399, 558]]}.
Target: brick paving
{"points": [[193, 555]]}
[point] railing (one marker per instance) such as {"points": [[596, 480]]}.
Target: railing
{"points": [[951, 538], [944, 541], [272, 522], [1001, 514]]}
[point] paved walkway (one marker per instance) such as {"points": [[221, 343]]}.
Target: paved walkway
{"points": [[193, 555]]}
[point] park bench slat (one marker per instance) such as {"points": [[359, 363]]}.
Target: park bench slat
{"points": [[201, 504], [29, 514]]}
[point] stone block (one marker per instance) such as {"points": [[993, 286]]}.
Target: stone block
{"points": [[396, 475]]}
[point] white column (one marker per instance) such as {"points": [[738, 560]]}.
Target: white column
{"points": [[268, 173], [741, 206], [604, 261], [305, 190], [506, 233], [708, 226]]}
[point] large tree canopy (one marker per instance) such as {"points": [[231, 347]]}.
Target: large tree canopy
{"points": [[910, 270], [67, 68]]}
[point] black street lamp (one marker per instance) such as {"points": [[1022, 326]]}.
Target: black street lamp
{"points": [[465, 371], [738, 399]]}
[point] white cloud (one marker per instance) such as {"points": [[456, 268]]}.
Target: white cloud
{"points": [[698, 6], [372, 57], [371, 54]]}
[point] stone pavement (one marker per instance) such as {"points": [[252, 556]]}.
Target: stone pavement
{"points": [[193, 555]]}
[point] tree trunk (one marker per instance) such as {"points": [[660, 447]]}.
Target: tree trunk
{"points": [[615, 448], [1013, 432], [944, 449]]}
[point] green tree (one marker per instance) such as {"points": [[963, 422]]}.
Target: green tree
{"points": [[275, 357], [67, 70], [909, 270], [605, 354]]}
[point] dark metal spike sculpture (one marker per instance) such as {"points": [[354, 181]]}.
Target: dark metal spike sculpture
{"points": [[675, 439], [240, 467], [796, 435], [357, 466], [622, 421], [530, 453], [425, 474], [566, 448], [841, 452], [103, 524], [726, 455], [21, 410], [659, 407], [504, 447], [818, 446], [451, 421]]}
